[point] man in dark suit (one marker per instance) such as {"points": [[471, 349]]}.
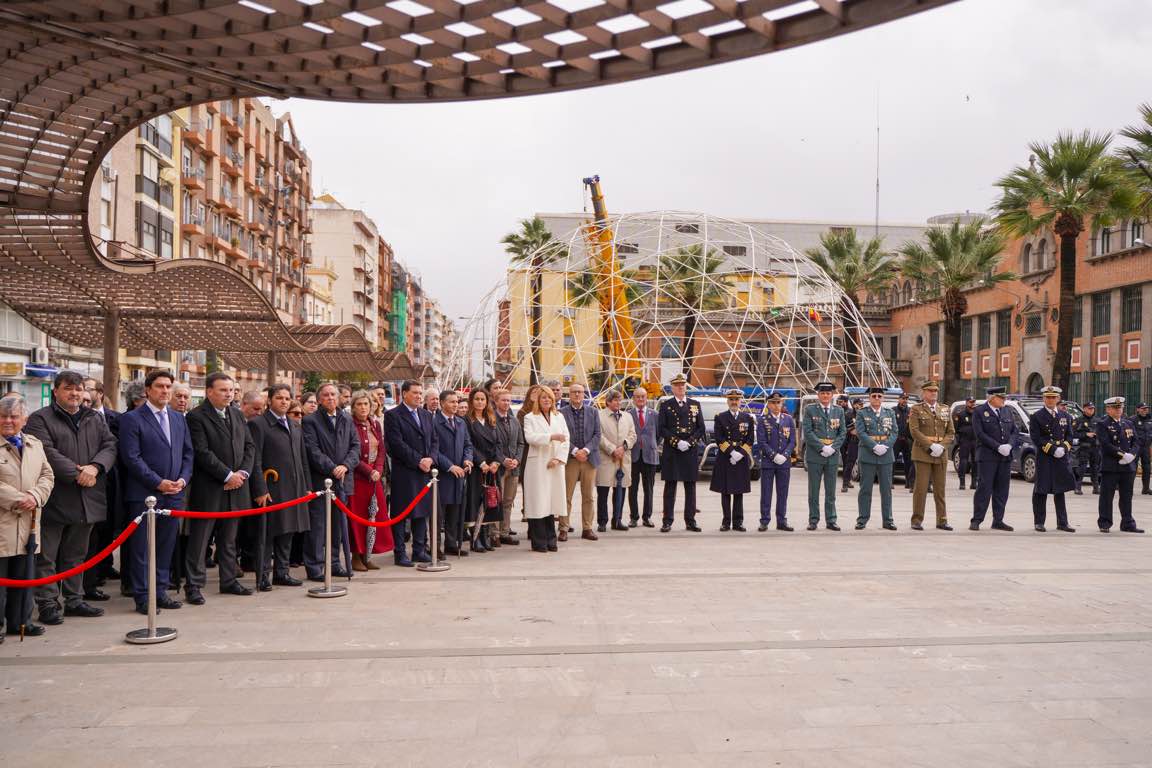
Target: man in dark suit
{"points": [[454, 460], [224, 458], [156, 459], [282, 475], [1052, 431], [995, 433], [333, 449], [413, 446], [106, 530], [645, 459], [681, 430]]}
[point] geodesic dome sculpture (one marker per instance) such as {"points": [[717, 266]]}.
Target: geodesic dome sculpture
{"points": [[718, 300]]}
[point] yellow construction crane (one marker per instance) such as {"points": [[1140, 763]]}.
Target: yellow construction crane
{"points": [[623, 364]]}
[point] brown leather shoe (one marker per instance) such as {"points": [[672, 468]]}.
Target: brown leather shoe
{"points": [[369, 565], [562, 534], [358, 563], [588, 534]]}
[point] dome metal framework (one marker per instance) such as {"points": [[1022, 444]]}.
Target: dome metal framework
{"points": [[77, 75]]}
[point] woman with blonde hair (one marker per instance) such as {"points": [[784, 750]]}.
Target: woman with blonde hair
{"points": [[368, 491], [546, 434]]}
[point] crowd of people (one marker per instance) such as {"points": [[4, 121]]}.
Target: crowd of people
{"points": [[76, 472]]}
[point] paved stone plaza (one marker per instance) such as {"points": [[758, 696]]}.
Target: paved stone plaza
{"points": [[643, 649]]}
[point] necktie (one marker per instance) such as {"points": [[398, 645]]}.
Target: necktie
{"points": [[284, 423], [827, 415], [162, 416], [452, 423], [416, 416], [641, 412], [17, 443], [616, 415]]}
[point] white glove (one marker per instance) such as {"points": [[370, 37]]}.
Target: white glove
{"points": [[936, 450], [736, 457], [879, 450], [1005, 449], [1075, 441], [827, 451], [779, 459], [1059, 452], [683, 445], [1128, 458]]}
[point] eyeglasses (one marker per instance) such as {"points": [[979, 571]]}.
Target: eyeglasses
{"points": [[296, 413]]}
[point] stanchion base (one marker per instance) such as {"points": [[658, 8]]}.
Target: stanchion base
{"points": [[430, 568], [142, 637], [325, 592]]}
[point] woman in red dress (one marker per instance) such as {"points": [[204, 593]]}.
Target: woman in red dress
{"points": [[368, 494]]}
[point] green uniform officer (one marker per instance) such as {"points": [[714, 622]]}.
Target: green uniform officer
{"points": [[877, 430], [824, 433]]}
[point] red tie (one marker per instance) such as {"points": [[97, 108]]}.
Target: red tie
{"points": [[641, 418]]}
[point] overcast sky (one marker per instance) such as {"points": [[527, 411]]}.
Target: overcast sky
{"points": [[790, 135]]}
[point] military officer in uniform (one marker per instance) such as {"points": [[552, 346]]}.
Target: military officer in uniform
{"points": [[1118, 447], [876, 430], [824, 433], [1087, 448], [734, 432], [1143, 423], [1051, 431], [932, 433], [965, 441], [903, 449], [776, 439], [995, 431], [850, 451], [681, 428]]}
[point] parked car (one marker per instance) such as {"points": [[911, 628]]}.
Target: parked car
{"points": [[1021, 407]]}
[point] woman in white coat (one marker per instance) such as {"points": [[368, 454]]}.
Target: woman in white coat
{"points": [[547, 437]]}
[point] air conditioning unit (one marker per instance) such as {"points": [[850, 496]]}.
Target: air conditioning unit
{"points": [[39, 355], [108, 172]]}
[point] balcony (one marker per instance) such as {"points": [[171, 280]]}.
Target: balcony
{"points": [[194, 133], [876, 311], [192, 178], [901, 367], [193, 224], [231, 162]]}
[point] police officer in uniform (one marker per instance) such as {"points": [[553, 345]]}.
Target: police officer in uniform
{"points": [[932, 432], [1087, 448], [876, 430], [1051, 431], [1143, 422], [903, 448], [995, 431], [850, 451], [734, 432], [1118, 447], [824, 433], [681, 428], [965, 441], [776, 440]]}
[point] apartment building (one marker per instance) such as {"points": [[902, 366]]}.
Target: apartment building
{"points": [[350, 240]]}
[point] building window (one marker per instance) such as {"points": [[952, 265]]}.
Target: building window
{"points": [[1099, 386], [165, 237], [1004, 328], [894, 347], [669, 349], [1041, 259], [736, 250], [1137, 231], [148, 236], [934, 339], [1101, 314], [1026, 259], [1131, 308], [148, 179], [1033, 324], [1075, 387], [966, 334], [1128, 381], [1105, 240], [688, 229], [627, 248], [754, 353], [985, 332], [1078, 317]]}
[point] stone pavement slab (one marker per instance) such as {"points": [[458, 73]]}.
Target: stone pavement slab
{"points": [[642, 649]]}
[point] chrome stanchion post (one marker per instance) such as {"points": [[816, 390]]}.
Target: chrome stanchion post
{"points": [[152, 634], [327, 590], [435, 566]]}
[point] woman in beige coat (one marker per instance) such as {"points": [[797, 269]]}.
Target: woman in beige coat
{"points": [[25, 484]]}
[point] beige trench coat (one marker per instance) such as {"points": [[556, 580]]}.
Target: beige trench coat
{"points": [[29, 473], [613, 434]]}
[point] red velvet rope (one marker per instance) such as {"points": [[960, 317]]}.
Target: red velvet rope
{"points": [[387, 523], [245, 512], [79, 568]]}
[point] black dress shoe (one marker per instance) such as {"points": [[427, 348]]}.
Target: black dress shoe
{"points": [[832, 527], [1078, 492], [649, 524], [725, 528], [1105, 530], [399, 564], [51, 616], [456, 551], [423, 558], [236, 588], [917, 527], [286, 581], [762, 528], [602, 529], [97, 595], [784, 527], [30, 630], [860, 526], [943, 527], [167, 602], [974, 526], [1146, 492], [142, 608], [340, 573], [1040, 529], [1095, 491], [739, 528], [83, 610], [811, 526], [665, 528], [510, 539], [571, 529], [631, 523], [1066, 528], [692, 527], [1133, 529], [1002, 527], [889, 526], [194, 596], [553, 548], [264, 586]]}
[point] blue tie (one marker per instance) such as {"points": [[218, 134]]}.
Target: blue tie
{"points": [[17, 443], [163, 417]]}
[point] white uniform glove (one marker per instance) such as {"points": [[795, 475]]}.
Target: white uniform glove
{"points": [[879, 450], [779, 459], [936, 450], [1005, 449], [1059, 452], [683, 445], [1128, 458], [736, 457], [827, 451]]}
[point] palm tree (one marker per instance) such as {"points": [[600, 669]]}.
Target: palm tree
{"points": [[527, 249], [1138, 158], [858, 268], [955, 259], [688, 279], [1069, 185]]}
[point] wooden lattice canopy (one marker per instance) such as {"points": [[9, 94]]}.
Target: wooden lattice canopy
{"points": [[77, 75]]}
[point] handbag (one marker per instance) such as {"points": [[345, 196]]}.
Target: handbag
{"points": [[492, 496]]}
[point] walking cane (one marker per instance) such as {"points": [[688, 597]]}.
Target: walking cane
{"points": [[262, 535]]}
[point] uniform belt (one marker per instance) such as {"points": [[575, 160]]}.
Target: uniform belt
{"points": [[826, 440]]}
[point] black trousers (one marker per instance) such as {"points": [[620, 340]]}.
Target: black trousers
{"points": [[902, 453], [642, 474], [1040, 509], [1087, 465], [689, 502], [966, 459], [167, 528], [199, 531], [1110, 483], [542, 533], [278, 555], [605, 496], [732, 505], [849, 452], [1145, 457], [13, 612], [452, 518]]}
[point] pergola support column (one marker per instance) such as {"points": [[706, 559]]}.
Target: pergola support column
{"points": [[112, 358], [273, 364]]}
